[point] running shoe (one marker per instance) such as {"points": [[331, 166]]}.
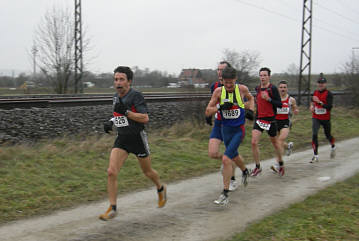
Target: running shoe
{"points": [[109, 214], [281, 171], [222, 200], [256, 171], [314, 159], [333, 152], [290, 148], [245, 176], [233, 185], [162, 197], [275, 168]]}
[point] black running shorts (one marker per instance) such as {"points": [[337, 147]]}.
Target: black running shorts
{"points": [[134, 143], [282, 124], [272, 132]]}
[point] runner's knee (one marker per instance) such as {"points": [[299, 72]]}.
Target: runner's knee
{"points": [[111, 172]]}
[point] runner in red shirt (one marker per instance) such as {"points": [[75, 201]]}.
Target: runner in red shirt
{"points": [[289, 105], [267, 102], [322, 103]]}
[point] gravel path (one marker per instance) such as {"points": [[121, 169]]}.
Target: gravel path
{"points": [[190, 213]]}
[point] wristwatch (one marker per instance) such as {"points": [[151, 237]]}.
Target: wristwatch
{"points": [[126, 112]]}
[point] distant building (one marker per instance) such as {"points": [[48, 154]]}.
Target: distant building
{"points": [[88, 84], [191, 77]]}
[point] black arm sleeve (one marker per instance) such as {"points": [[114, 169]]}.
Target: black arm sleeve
{"points": [[276, 100], [329, 104]]}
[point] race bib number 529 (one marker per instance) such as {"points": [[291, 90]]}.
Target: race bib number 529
{"points": [[120, 121]]}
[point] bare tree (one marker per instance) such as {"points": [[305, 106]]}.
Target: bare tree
{"points": [[351, 79], [246, 62], [54, 39]]}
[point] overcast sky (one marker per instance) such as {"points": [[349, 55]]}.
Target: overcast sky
{"points": [[169, 35]]}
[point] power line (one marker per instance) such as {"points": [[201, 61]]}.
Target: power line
{"points": [[337, 13], [296, 20]]}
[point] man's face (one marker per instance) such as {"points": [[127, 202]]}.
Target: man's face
{"points": [[121, 83], [283, 89], [220, 68], [264, 77], [229, 84], [322, 86]]}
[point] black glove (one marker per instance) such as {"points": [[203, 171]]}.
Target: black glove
{"points": [[226, 106], [120, 107], [249, 114], [209, 120], [107, 126]]}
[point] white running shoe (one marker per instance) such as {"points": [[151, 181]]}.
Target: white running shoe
{"points": [[314, 159], [275, 167], [290, 148], [222, 200], [233, 185], [333, 152]]}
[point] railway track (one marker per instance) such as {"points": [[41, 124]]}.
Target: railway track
{"points": [[24, 102]]}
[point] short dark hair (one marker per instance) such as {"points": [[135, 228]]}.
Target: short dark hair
{"points": [[225, 62], [265, 69], [229, 73], [283, 82], [126, 70]]}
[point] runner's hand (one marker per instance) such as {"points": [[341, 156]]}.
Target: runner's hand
{"points": [[120, 107], [107, 126], [209, 120], [226, 106], [249, 114]]}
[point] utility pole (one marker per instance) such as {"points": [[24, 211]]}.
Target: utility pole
{"points": [[78, 48], [305, 52]]}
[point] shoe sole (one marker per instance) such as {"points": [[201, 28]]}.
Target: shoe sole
{"points": [[273, 169], [164, 196]]}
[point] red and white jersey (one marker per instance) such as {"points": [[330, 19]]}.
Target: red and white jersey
{"points": [[283, 113]]}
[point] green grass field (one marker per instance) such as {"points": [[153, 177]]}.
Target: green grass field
{"points": [[60, 173], [331, 214]]}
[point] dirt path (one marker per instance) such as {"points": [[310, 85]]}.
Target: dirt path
{"points": [[190, 213]]}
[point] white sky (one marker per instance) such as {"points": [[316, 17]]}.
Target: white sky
{"points": [[169, 35]]}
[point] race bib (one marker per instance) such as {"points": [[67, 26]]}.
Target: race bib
{"points": [[231, 114], [263, 125], [283, 110], [120, 121], [320, 111]]}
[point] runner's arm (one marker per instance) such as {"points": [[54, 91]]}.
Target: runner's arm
{"points": [[294, 105], [212, 105], [249, 104], [329, 104], [275, 98], [138, 117]]}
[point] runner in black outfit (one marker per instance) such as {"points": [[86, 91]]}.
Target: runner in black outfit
{"points": [[129, 116]]}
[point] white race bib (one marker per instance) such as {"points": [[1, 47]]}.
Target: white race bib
{"points": [[283, 110], [320, 111], [231, 114], [120, 121], [263, 125]]}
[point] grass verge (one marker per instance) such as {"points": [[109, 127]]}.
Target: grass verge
{"points": [[331, 214], [53, 174]]}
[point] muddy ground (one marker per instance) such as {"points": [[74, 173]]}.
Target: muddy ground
{"points": [[190, 213]]}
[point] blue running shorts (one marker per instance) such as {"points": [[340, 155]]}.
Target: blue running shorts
{"points": [[232, 137], [217, 130]]}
